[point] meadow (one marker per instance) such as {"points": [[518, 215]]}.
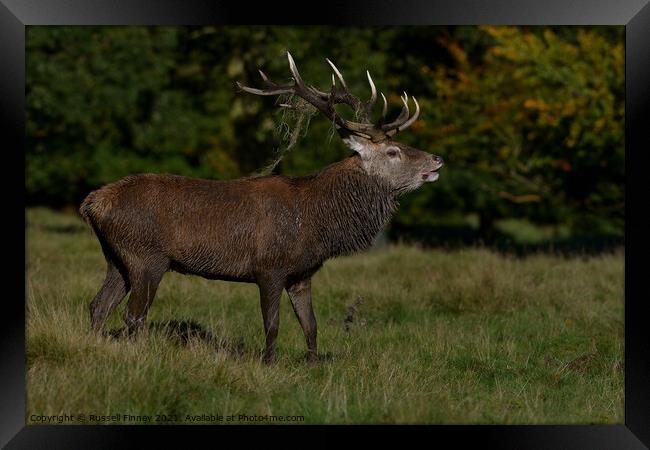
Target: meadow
{"points": [[406, 335]]}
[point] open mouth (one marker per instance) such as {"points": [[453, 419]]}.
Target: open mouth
{"points": [[431, 175]]}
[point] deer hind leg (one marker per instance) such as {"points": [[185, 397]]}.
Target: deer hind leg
{"points": [[144, 284], [300, 296], [110, 295], [270, 293]]}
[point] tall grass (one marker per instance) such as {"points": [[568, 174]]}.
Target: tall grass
{"points": [[407, 335]]}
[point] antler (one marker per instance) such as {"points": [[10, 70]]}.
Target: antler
{"points": [[324, 102]]}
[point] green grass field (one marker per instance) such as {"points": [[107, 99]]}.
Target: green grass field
{"points": [[467, 336]]}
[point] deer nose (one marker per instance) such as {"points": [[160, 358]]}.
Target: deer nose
{"points": [[438, 160]]}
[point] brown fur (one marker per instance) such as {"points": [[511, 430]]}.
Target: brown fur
{"points": [[274, 231]]}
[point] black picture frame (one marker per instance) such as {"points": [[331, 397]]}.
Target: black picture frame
{"points": [[15, 15]]}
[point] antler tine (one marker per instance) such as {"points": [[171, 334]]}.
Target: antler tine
{"points": [[370, 104], [384, 109], [264, 77], [338, 74], [410, 122], [294, 70], [323, 95], [300, 84], [279, 91], [403, 116], [276, 89]]}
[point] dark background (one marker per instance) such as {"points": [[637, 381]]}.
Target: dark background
{"points": [[530, 120]]}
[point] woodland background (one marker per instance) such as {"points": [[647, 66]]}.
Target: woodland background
{"points": [[530, 120]]}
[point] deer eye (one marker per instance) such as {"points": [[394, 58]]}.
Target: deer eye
{"points": [[392, 153]]}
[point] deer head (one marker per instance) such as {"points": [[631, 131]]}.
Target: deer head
{"points": [[404, 168]]}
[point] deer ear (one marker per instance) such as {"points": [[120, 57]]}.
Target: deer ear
{"points": [[360, 145]]}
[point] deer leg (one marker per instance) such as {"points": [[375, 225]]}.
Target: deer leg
{"points": [[300, 296], [270, 293], [144, 283], [112, 292]]}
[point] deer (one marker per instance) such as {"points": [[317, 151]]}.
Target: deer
{"points": [[275, 231]]}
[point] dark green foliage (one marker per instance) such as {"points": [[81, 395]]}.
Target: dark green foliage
{"points": [[529, 119]]}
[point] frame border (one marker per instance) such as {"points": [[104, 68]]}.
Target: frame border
{"points": [[634, 14]]}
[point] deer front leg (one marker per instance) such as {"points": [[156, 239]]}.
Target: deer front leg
{"points": [[270, 293], [300, 296]]}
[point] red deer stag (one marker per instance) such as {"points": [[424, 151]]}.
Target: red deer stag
{"points": [[274, 231]]}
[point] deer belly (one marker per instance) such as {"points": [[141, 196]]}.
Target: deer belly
{"points": [[213, 262]]}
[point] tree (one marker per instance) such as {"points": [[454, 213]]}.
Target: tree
{"points": [[529, 119], [538, 121]]}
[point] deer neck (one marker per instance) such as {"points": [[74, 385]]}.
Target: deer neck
{"points": [[352, 207]]}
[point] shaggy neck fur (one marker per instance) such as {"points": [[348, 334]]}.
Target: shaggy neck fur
{"points": [[350, 207]]}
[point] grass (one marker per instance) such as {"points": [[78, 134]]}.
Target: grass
{"points": [[408, 335]]}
